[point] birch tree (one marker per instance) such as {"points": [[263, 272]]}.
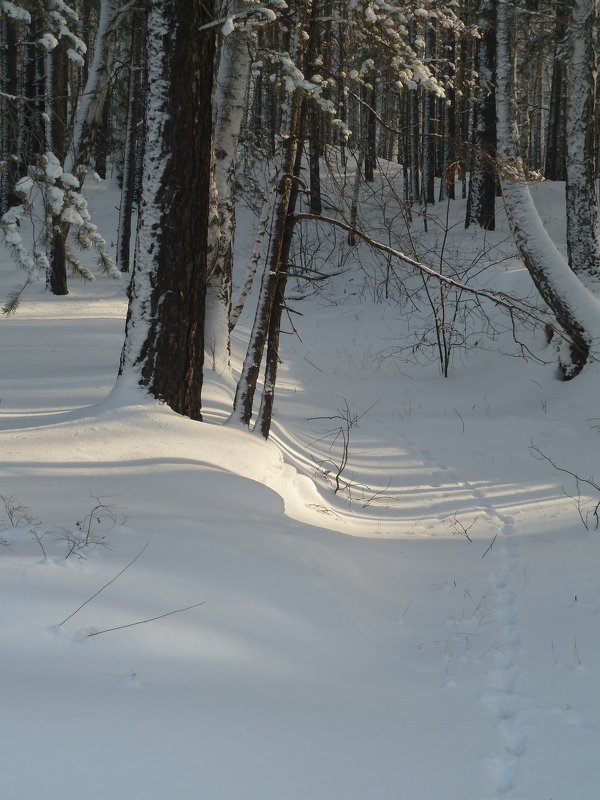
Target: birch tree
{"points": [[233, 75], [583, 244], [576, 309], [90, 109]]}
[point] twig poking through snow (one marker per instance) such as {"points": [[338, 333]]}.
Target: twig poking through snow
{"points": [[112, 580], [491, 545], [144, 621]]}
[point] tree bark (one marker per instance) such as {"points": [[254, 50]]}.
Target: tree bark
{"points": [[265, 413], [284, 158], [164, 342], [233, 77], [481, 202], [88, 124], [56, 279], [134, 120], [583, 244], [555, 169]]}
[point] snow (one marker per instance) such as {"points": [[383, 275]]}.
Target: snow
{"points": [[16, 12], [48, 41], [351, 646], [71, 216]]}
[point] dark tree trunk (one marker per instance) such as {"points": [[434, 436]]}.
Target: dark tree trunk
{"points": [[370, 136], [555, 166], [429, 131], [481, 202], [414, 138], [164, 342], [57, 275], [315, 137], [316, 205], [56, 280], [272, 361], [103, 140], [132, 137], [35, 80], [9, 112]]}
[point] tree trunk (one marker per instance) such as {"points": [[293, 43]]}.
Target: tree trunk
{"points": [[265, 213], [164, 341], [265, 414], [284, 158], [481, 202], [583, 245], [370, 131], [134, 118], [554, 169], [316, 205], [88, 124], [429, 130], [56, 279], [314, 120], [9, 112], [233, 78], [414, 138]]}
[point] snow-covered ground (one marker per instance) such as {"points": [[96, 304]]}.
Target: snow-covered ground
{"points": [[429, 632]]}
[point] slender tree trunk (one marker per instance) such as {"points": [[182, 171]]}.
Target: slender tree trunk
{"points": [[355, 194], [369, 138], [429, 131], [481, 202], [284, 157], [265, 413], [56, 279], [414, 138], [263, 220], [88, 125], [314, 151], [103, 143], [315, 139], [554, 169], [535, 118], [164, 341], [285, 160], [232, 82], [134, 121], [10, 111], [34, 80]]}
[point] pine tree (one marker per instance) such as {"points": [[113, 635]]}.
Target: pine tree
{"points": [[164, 341]]}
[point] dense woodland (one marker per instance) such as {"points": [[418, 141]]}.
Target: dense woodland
{"points": [[192, 106]]}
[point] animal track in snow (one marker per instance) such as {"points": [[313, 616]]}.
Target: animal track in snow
{"points": [[501, 697]]}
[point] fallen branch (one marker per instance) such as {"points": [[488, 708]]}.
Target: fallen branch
{"points": [[499, 298]]}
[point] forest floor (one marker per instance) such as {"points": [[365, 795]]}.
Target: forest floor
{"points": [[430, 631]]}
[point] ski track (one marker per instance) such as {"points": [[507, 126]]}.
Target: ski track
{"points": [[499, 692]]}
